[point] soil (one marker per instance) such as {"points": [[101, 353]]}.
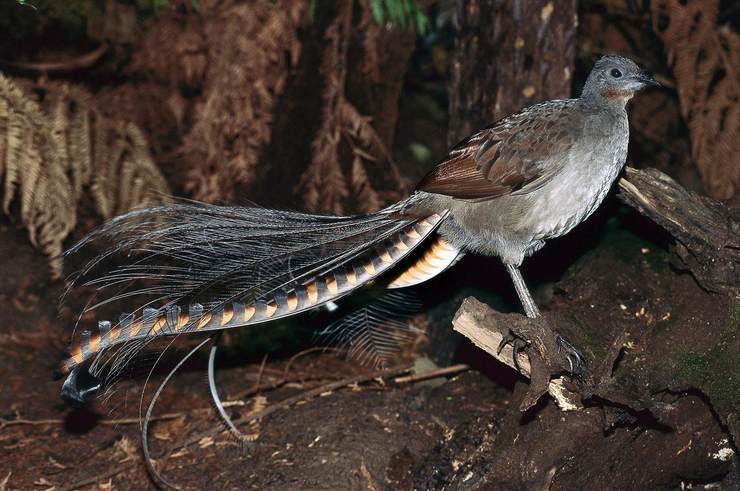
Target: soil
{"points": [[663, 415], [463, 432]]}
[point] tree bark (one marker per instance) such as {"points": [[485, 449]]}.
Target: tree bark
{"points": [[707, 244], [707, 233], [509, 54]]}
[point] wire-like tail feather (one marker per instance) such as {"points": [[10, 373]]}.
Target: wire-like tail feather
{"points": [[193, 267]]}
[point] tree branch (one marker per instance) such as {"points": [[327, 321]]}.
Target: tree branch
{"points": [[487, 328]]}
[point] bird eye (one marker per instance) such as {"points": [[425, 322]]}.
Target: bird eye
{"points": [[616, 73]]}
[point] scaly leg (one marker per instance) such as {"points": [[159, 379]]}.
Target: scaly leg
{"points": [[574, 357], [521, 289]]}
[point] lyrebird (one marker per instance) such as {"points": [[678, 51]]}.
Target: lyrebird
{"points": [[503, 191]]}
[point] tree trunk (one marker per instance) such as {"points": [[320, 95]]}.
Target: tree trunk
{"points": [[508, 55], [661, 351]]}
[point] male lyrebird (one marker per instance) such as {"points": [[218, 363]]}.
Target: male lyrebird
{"points": [[503, 191]]}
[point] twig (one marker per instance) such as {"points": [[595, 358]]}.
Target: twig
{"points": [[4, 482], [262, 370], [276, 384], [293, 358], [99, 477], [108, 422], [162, 417], [440, 372], [309, 394], [32, 422], [84, 61], [372, 485], [358, 379], [284, 372]]}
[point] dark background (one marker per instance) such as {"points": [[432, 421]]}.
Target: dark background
{"points": [[341, 108]]}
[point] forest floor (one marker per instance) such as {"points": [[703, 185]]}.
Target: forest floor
{"points": [[460, 432], [665, 415]]}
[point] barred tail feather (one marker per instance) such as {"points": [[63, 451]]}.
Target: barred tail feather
{"points": [[207, 267], [438, 256]]}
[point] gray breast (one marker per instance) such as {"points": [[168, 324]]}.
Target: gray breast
{"points": [[584, 181], [514, 226]]}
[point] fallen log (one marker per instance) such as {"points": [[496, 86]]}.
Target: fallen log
{"points": [[491, 331], [707, 243], [707, 233]]}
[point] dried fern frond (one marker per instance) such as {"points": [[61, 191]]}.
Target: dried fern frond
{"points": [[370, 46], [324, 184], [235, 119], [78, 139], [361, 188], [705, 58], [48, 156], [125, 175], [362, 133]]}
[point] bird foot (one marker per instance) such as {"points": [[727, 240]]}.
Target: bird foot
{"points": [[576, 361], [518, 344], [549, 353], [535, 341]]}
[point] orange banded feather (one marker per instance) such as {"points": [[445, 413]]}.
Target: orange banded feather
{"points": [[331, 285], [438, 256]]}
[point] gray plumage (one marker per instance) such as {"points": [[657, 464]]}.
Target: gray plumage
{"points": [[537, 174], [502, 192]]}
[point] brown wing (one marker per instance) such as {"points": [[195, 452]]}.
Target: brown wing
{"points": [[516, 155]]}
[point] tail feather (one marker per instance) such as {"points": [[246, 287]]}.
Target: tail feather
{"points": [[376, 331], [438, 256], [218, 267]]}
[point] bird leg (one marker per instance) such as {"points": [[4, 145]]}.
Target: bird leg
{"points": [[521, 289], [574, 357]]}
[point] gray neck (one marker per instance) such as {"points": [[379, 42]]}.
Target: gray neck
{"points": [[593, 97], [590, 90]]}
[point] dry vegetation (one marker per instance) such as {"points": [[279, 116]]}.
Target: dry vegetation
{"points": [[325, 185], [54, 145], [238, 58], [250, 48], [208, 86], [214, 81], [691, 128], [705, 60], [235, 100]]}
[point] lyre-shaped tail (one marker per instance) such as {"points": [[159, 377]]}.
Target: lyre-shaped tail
{"points": [[287, 264]]}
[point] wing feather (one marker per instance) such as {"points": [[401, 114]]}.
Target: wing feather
{"points": [[514, 156]]}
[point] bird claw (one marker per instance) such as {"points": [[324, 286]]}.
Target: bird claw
{"points": [[576, 361], [506, 339], [517, 345]]}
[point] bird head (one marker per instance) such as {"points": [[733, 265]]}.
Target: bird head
{"points": [[617, 79]]}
